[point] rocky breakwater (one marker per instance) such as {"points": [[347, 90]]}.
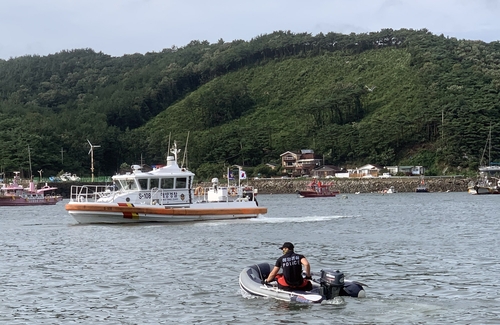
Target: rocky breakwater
{"points": [[364, 185]]}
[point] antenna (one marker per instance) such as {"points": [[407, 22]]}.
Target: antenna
{"points": [[91, 153], [175, 151], [184, 157]]}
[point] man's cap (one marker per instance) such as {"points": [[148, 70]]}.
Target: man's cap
{"points": [[287, 245]]}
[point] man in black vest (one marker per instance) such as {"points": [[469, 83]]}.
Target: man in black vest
{"points": [[291, 263]]}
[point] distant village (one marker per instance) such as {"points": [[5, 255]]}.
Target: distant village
{"points": [[306, 164]]}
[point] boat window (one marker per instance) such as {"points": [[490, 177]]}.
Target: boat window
{"points": [[167, 183], [118, 185], [180, 182], [123, 184], [130, 185], [153, 183], [143, 183]]}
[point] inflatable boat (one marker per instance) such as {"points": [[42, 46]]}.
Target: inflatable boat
{"points": [[329, 285]]}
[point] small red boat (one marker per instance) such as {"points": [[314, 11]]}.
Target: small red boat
{"points": [[318, 189]]}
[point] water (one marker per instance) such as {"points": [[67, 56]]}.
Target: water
{"points": [[428, 258]]}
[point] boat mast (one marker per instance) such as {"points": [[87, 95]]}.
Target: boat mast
{"points": [[487, 146], [29, 158], [489, 149]]}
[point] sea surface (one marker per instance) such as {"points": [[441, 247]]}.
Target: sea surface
{"points": [[427, 258]]}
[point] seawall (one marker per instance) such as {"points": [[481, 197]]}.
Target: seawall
{"points": [[364, 185]]}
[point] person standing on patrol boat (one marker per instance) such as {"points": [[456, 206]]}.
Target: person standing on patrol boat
{"points": [[291, 263]]}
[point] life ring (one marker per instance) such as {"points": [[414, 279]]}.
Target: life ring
{"points": [[199, 191], [232, 191]]}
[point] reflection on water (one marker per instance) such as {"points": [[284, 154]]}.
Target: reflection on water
{"points": [[427, 258]]}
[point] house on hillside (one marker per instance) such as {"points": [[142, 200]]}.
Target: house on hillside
{"points": [[296, 164]]}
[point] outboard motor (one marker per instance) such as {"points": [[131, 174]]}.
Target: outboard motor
{"points": [[331, 282], [248, 193]]}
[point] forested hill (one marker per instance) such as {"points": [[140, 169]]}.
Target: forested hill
{"points": [[393, 97]]}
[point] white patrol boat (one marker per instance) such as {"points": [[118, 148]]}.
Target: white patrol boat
{"points": [[164, 194]]}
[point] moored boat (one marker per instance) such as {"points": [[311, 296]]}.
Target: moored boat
{"points": [[15, 194], [318, 189], [389, 190], [329, 286], [165, 194], [68, 177], [488, 181], [422, 187]]}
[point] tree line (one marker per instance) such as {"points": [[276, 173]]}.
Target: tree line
{"points": [[386, 98]]}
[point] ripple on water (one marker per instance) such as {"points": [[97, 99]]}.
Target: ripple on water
{"points": [[426, 259]]}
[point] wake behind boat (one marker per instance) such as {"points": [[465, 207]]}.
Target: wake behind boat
{"points": [[165, 194], [329, 286]]}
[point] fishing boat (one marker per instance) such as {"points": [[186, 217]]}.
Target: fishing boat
{"points": [[422, 187], [318, 189], [165, 194], [488, 181], [15, 194], [327, 285]]}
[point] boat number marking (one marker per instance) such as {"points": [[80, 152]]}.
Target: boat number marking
{"points": [[144, 196], [165, 195]]}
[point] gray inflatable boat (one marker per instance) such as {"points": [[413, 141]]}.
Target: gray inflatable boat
{"points": [[329, 285]]}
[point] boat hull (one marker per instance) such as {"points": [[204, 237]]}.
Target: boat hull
{"points": [[481, 190], [129, 213], [251, 277], [19, 201], [316, 194]]}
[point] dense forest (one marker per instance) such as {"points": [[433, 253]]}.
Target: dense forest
{"points": [[404, 97]]}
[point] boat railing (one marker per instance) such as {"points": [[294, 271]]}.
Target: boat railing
{"points": [[91, 193], [156, 196], [103, 193], [225, 194]]}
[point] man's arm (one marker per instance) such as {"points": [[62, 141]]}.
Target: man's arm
{"points": [[272, 274], [305, 262]]}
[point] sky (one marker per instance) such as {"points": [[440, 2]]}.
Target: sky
{"points": [[119, 27]]}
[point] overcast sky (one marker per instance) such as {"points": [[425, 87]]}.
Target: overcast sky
{"points": [[118, 27]]}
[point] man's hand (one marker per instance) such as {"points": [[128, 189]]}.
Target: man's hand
{"points": [[264, 281]]}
